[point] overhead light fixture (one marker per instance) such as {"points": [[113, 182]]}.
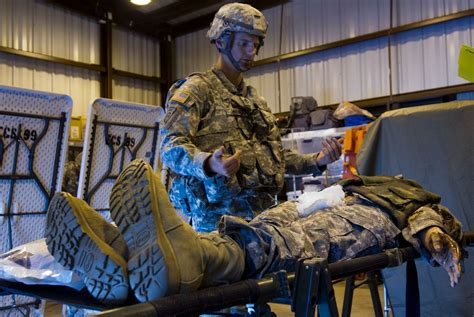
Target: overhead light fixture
{"points": [[140, 2]]}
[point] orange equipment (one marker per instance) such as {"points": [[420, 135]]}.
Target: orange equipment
{"points": [[352, 144]]}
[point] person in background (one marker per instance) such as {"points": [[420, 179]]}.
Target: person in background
{"points": [[72, 169], [220, 141]]}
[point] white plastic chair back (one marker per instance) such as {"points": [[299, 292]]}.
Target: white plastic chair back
{"points": [[117, 132], [33, 143]]}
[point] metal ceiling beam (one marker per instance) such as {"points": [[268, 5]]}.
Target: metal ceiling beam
{"points": [[415, 95], [88, 8], [180, 8], [122, 14], [52, 59], [123, 73], [155, 23], [401, 98]]}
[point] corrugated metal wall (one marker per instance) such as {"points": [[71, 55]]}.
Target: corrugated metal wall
{"points": [[421, 59], [139, 54], [193, 54], [36, 27]]}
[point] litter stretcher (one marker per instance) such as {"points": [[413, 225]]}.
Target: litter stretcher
{"points": [[308, 288]]}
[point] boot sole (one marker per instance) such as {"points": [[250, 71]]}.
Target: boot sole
{"points": [[152, 265], [75, 246]]}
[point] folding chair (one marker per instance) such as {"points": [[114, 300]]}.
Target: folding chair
{"points": [[117, 132], [33, 144]]}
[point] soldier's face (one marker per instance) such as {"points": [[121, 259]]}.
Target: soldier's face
{"points": [[244, 49]]}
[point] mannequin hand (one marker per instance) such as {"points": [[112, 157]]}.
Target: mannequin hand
{"points": [[222, 164], [445, 251], [332, 150]]}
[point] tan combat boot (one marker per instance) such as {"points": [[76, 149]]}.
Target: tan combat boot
{"points": [[166, 255], [81, 240]]}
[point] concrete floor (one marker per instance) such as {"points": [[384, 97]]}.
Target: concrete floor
{"points": [[361, 307], [361, 302]]}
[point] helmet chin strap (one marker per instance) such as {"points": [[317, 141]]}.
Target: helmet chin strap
{"points": [[236, 65], [227, 51]]}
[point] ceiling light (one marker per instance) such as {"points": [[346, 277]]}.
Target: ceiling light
{"points": [[140, 2]]}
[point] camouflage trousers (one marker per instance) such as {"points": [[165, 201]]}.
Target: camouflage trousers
{"points": [[278, 237]]}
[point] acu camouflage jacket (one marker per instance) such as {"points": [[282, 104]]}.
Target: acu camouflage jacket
{"points": [[206, 111]]}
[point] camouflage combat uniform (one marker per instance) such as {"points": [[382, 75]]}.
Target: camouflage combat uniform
{"points": [[72, 170], [204, 112], [277, 238]]}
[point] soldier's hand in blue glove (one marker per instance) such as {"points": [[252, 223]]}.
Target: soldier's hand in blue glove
{"points": [[332, 150], [445, 251], [223, 164]]}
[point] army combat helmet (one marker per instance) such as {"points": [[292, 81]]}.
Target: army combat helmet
{"points": [[237, 17]]}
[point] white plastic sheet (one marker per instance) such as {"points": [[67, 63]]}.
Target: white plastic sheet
{"points": [[31, 263]]}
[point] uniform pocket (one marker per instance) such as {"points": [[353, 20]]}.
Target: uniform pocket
{"points": [[390, 196], [212, 133], [245, 126], [395, 199], [188, 194], [218, 122], [269, 164], [249, 172], [406, 194], [220, 188]]}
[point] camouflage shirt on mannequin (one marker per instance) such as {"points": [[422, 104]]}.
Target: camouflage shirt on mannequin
{"points": [[204, 112]]}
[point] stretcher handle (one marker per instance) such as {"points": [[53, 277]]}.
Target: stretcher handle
{"points": [[252, 291]]}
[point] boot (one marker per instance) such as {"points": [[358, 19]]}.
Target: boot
{"points": [[82, 241], [166, 255]]}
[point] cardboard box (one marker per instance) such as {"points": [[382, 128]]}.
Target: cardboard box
{"points": [[75, 130]]}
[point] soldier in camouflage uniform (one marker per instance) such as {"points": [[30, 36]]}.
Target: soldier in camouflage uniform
{"points": [[220, 140], [72, 170]]}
